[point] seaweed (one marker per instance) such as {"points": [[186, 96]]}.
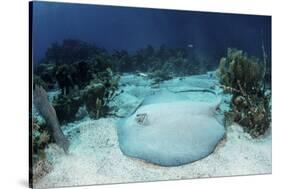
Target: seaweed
{"points": [[243, 77]]}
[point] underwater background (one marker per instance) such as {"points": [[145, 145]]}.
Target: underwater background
{"points": [[122, 94], [134, 28]]}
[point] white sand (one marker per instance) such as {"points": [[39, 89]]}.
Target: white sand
{"points": [[95, 158]]}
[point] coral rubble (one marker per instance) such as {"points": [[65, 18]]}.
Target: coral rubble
{"points": [[243, 77]]}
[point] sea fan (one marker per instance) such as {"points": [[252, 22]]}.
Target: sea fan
{"points": [[42, 104]]}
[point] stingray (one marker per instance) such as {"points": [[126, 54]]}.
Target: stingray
{"points": [[167, 130]]}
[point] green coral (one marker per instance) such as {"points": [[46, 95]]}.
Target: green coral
{"points": [[66, 107], [161, 75], [91, 94], [40, 139], [99, 92], [153, 61], [44, 75], [93, 89], [243, 77], [37, 80], [237, 68]]}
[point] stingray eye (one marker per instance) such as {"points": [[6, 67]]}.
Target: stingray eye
{"points": [[218, 109], [141, 119]]}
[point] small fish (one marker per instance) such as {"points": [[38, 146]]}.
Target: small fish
{"points": [[190, 45], [142, 74]]}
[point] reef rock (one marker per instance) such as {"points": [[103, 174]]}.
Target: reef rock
{"points": [[171, 133]]}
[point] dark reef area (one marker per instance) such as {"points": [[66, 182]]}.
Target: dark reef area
{"points": [[88, 75]]}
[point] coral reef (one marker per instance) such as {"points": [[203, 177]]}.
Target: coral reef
{"points": [[44, 75], [161, 75], [40, 139], [161, 63], [99, 92], [66, 107], [84, 75], [243, 77], [88, 76], [69, 51], [64, 79], [37, 80], [45, 129]]}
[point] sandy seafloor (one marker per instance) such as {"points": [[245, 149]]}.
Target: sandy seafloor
{"points": [[95, 157]]}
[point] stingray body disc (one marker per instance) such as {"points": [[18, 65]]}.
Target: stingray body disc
{"points": [[170, 134]]}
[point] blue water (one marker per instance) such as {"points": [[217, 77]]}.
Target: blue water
{"points": [[133, 28], [153, 93]]}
